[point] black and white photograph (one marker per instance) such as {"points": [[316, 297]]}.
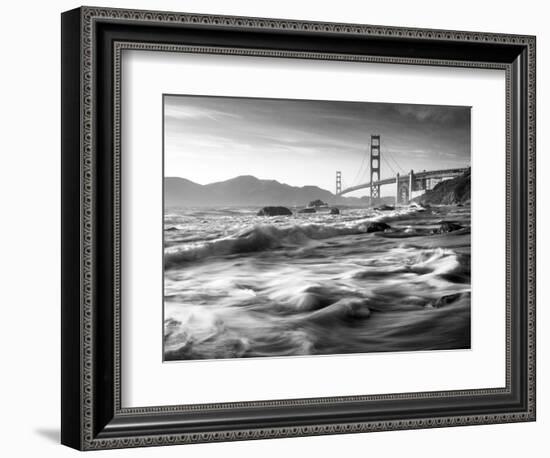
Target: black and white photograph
{"points": [[277, 222], [310, 227]]}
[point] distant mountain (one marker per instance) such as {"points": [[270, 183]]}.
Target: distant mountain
{"points": [[246, 190], [448, 192]]}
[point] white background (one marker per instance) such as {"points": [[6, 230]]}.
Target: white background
{"points": [[147, 76], [29, 238]]}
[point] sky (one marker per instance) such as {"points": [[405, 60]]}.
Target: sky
{"points": [[304, 142]]}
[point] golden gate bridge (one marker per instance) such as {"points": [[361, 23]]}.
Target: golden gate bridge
{"points": [[404, 184]]}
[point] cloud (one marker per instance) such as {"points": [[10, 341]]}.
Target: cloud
{"points": [[274, 137], [431, 114], [179, 112]]}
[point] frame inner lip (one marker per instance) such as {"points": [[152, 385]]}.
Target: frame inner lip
{"points": [[119, 47]]}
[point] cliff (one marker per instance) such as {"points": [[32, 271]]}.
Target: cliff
{"points": [[448, 192]]}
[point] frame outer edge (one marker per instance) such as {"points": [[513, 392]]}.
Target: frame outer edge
{"points": [[88, 191], [71, 306], [88, 16], [259, 23], [531, 225]]}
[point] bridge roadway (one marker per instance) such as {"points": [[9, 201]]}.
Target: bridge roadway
{"points": [[424, 175]]}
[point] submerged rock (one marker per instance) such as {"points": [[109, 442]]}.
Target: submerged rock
{"points": [[447, 226], [377, 227], [307, 210], [334, 211], [357, 309], [384, 208], [343, 309], [446, 300], [274, 211]]}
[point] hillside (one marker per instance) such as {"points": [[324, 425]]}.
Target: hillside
{"points": [[246, 191], [448, 192]]}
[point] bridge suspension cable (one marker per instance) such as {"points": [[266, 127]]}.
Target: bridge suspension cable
{"points": [[390, 155], [363, 172], [359, 175], [389, 165]]}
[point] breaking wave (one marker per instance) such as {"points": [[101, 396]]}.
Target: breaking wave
{"points": [[236, 287], [268, 237]]}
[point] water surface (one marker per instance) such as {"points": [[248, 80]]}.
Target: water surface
{"points": [[239, 285]]}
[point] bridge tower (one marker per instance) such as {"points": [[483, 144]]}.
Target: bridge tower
{"points": [[374, 166], [338, 182], [397, 200], [411, 185]]}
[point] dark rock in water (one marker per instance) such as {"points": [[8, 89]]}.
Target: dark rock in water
{"points": [[383, 208], [357, 309], [343, 309], [317, 203], [446, 300], [378, 227], [307, 210], [334, 211], [274, 211], [447, 226]]}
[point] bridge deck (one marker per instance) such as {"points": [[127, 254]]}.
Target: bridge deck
{"points": [[444, 173]]}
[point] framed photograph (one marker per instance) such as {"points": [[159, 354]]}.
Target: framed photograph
{"points": [[276, 228]]}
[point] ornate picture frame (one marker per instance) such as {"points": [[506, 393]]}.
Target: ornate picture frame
{"points": [[93, 416]]}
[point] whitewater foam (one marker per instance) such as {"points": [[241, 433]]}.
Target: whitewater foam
{"points": [[269, 236]]}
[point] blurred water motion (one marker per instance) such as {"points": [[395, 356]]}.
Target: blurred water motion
{"points": [[238, 285]]}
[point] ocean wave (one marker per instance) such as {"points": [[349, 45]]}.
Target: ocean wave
{"points": [[311, 287], [198, 332], [268, 237]]}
